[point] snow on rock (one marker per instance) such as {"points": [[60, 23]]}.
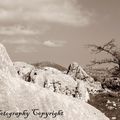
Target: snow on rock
{"points": [[17, 95]]}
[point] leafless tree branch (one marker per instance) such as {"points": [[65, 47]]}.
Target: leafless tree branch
{"points": [[109, 48]]}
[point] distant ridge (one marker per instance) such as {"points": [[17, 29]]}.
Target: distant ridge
{"points": [[49, 64]]}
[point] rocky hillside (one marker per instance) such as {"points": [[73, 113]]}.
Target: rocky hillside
{"points": [[20, 99]]}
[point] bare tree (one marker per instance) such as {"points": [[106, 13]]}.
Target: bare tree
{"points": [[109, 48]]}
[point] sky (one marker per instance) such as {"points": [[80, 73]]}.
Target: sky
{"points": [[57, 30]]}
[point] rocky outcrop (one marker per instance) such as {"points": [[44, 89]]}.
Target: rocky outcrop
{"points": [[23, 69], [18, 96], [79, 75], [56, 81], [6, 64], [77, 72], [76, 83], [52, 79]]}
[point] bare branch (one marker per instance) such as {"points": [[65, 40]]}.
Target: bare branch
{"points": [[104, 61], [108, 48], [96, 49], [110, 43]]}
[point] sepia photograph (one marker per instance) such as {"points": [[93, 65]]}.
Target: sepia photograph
{"points": [[59, 60]]}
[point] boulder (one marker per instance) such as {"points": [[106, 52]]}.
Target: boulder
{"points": [[79, 75], [77, 72], [20, 99]]}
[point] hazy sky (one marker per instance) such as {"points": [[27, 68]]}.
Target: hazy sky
{"points": [[57, 30]]}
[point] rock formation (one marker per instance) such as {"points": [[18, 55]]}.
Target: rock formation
{"points": [[77, 72], [6, 64], [79, 75], [17, 95], [23, 69], [52, 79]]}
